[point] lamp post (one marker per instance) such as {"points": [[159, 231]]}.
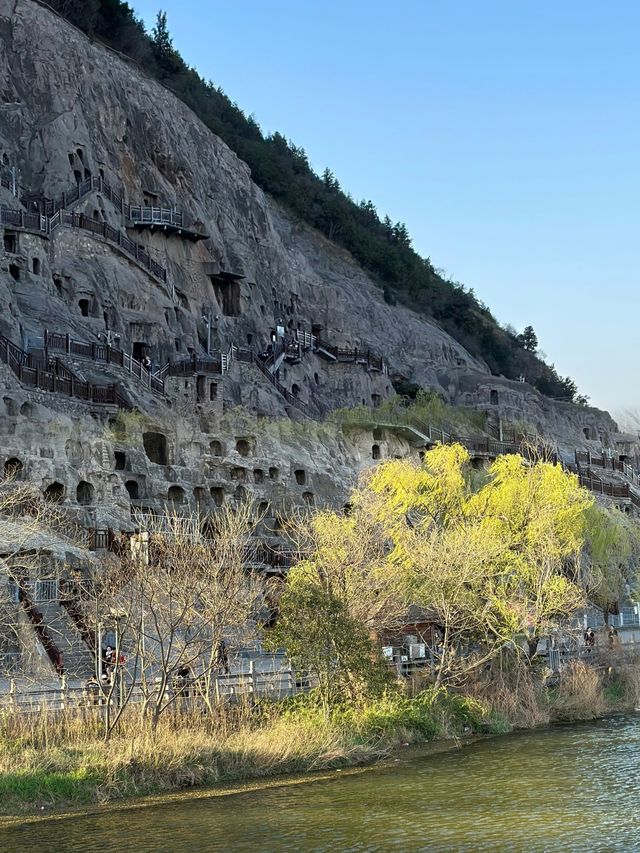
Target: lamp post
{"points": [[207, 319], [118, 672]]}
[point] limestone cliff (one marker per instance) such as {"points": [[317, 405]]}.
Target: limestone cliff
{"points": [[227, 266]]}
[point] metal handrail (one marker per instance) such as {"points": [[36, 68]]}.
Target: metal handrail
{"points": [[156, 216], [103, 353], [55, 377]]}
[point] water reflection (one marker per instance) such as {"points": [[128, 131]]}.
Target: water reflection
{"points": [[570, 789]]}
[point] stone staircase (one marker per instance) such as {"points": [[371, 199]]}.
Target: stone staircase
{"points": [[77, 658], [55, 377]]}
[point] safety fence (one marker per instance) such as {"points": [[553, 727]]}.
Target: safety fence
{"points": [[103, 353], [246, 683], [55, 377]]}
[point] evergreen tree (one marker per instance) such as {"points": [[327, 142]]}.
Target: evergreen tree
{"points": [[161, 37], [528, 339]]}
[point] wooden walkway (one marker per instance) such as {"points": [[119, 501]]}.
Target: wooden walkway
{"points": [[45, 225], [102, 354], [55, 377]]}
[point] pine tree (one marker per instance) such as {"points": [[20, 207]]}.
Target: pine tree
{"points": [[161, 37], [528, 339]]}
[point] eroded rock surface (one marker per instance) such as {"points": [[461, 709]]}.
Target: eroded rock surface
{"points": [[71, 111]]}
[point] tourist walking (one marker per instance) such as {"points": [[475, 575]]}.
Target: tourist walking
{"points": [[222, 657]]}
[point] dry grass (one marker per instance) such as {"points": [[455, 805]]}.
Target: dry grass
{"points": [[512, 692], [580, 694], [64, 759], [517, 694], [629, 675]]}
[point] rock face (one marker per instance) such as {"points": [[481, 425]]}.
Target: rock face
{"points": [[72, 112], [73, 109]]}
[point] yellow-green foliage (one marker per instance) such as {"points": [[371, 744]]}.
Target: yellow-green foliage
{"points": [[518, 532], [613, 547], [497, 560]]}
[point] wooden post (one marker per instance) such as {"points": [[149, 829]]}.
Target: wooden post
{"points": [[252, 672], [63, 693], [12, 695]]}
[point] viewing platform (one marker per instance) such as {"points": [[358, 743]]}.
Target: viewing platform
{"points": [[162, 219]]}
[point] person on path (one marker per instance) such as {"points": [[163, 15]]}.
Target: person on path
{"points": [[222, 657]]}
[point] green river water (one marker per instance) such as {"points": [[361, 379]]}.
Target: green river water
{"points": [[567, 788]]}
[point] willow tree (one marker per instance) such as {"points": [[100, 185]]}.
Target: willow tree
{"points": [[499, 559], [535, 517], [612, 549]]}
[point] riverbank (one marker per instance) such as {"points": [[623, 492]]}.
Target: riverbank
{"points": [[291, 780], [529, 791], [51, 764]]}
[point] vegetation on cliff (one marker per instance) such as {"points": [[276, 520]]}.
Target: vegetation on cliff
{"points": [[282, 169]]}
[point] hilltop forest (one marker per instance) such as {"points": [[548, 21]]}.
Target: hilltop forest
{"points": [[282, 169]]}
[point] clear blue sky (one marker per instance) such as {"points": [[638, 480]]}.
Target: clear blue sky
{"points": [[504, 133]]}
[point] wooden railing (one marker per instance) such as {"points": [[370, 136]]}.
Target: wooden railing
{"points": [[50, 206], [191, 366], [48, 224], [607, 463], [488, 446], [138, 213], [48, 214], [55, 377], [134, 250], [611, 490], [103, 353], [97, 539], [250, 357]]}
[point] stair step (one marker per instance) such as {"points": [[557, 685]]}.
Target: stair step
{"points": [[325, 354]]}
